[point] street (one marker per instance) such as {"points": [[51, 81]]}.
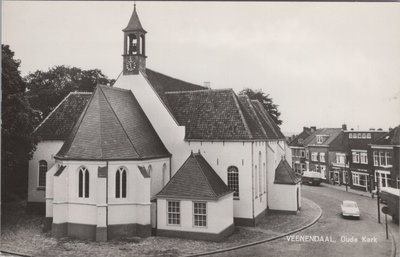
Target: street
{"points": [[332, 235]]}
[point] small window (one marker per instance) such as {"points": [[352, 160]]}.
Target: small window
{"points": [[350, 135], [368, 135], [42, 173], [174, 213], [364, 135], [200, 214], [359, 135]]}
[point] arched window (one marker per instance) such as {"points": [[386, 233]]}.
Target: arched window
{"points": [[260, 185], [117, 184], [265, 178], [164, 174], [83, 178], [42, 173], [142, 45], [233, 180], [120, 183], [132, 44], [255, 181]]}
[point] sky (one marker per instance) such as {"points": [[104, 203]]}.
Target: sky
{"points": [[324, 64]]}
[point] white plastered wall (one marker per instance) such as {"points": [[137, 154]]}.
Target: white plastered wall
{"points": [[221, 155], [219, 215], [171, 134], [44, 151]]}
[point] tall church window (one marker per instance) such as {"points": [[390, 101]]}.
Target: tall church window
{"points": [[255, 181], [120, 183], [233, 180], [83, 177], [42, 173], [261, 174], [164, 174]]}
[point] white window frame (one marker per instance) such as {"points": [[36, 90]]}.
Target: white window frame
{"points": [[356, 157], [381, 175], [233, 181], [174, 212], [368, 135], [195, 215], [376, 158], [363, 158], [350, 135], [314, 156], [320, 139], [322, 157], [356, 178]]}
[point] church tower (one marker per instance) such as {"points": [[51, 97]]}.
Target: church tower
{"points": [[134, 46]]}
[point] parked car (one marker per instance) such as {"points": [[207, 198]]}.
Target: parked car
{"points": [[350, 209], [312, 177]]}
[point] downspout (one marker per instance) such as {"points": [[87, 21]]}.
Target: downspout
{"points": [[252, 179]]}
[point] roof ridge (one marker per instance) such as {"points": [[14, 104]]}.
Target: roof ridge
{"points": [[119, 121], [174, 78], [255, 115], [268, 118], [80, 93], [77, 126], [241, 114], [52, 111], [199, 90], [204, 175]]}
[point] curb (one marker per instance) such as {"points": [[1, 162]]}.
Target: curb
{"points": [[15, 253], [352, 190], [261, 241]]}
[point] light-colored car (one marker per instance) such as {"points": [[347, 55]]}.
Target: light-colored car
{"points": [[350, 209]]}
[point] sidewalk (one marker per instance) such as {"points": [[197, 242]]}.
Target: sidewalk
{"points": [[350, 190], [25, 236]]}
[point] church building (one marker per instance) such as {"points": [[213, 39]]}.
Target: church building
{"points": [[154, 155]]}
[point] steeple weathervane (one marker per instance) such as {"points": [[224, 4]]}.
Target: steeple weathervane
{"points": [[134, 46]]}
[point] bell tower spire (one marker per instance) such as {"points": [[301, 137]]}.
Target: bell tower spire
{"points": [[134, 46]]}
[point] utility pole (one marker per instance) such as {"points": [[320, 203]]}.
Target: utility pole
{"points": [[378, 201]]}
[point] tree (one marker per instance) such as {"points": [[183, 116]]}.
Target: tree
{"points": [[18, 123], [47, 89], [266, 100]]}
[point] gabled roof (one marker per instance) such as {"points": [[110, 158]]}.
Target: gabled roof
{"points": [[195, 179], [284, 174], [270, 127], [112, 127], [330, 133], [59, 123], [298, 141], [209, 114], [134, 22], [390, 138]]}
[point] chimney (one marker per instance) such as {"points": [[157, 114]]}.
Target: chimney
{"points": [[344, 127], [313, 129], [207, 84], [372, 129], [380, 129]]}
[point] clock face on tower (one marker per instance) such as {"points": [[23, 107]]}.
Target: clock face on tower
{"points": [[130, 64]]}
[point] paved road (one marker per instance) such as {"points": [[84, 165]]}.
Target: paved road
{"points": [[341, 233]]}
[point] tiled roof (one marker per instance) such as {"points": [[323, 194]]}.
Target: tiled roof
{"points": [[331, 134], [390, 138], [209, 114], [112, 127], [270, 127], [302, 136], [59, 123], [284, 174], [219, 114], [134, 22], [195, 179]]}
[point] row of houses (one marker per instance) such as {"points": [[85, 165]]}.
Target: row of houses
{"points": [[364, 160]]}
